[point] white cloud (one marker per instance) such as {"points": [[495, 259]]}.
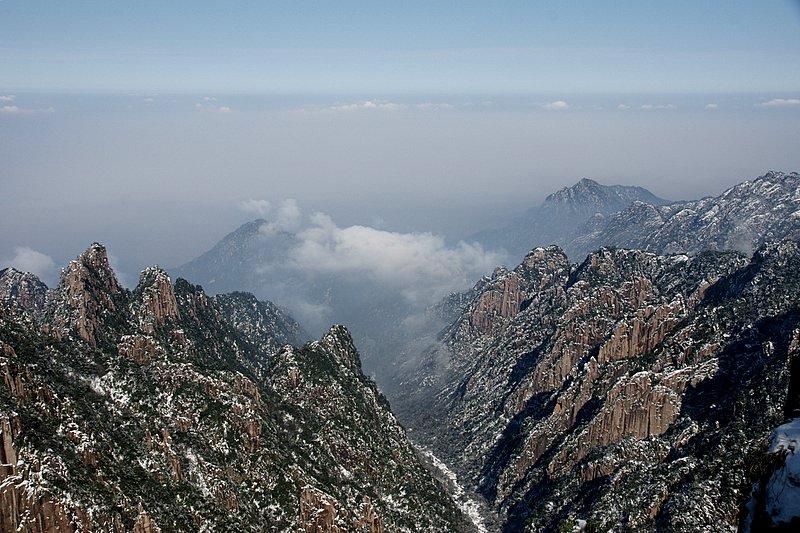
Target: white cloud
{"points": [[149, 99], [224, 109], [286, 218], [657, 106], [381, 105], [711, 106], [7, 98], [16, 110], [366, 105], [623, 106], [257, 207], [558, 105], [209, 99], [27, 259], [420, 265], [780, 102]]}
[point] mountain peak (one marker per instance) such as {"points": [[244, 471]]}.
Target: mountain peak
{"points": [[156, 297], [88, 291], [587, 182], [23, 289], [339, 343]]}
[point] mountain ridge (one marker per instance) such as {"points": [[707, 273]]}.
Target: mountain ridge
{"points": [[162, 408], [562, 214], [612, 374]]}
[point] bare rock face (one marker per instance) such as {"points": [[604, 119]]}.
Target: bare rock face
{"points": [[87, 294], [321, 513], [155, 300], [495, 306], [141, 349], [633, 390]]}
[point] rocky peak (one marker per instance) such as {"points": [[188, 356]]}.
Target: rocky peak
{"points": [[22, 289], [155, 299], [560, 217], [88, 292], [541, 264], [339, 343], [589, 196]]}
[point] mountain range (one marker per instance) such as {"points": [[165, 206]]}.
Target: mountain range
{"points": [[639, 370], [586, 216], [165, 409], [560, 218]]}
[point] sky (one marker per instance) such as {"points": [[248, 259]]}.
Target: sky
{"points": [[158, 127]]}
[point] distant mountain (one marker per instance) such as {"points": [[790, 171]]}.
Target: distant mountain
{"points": [[741, 218], [559, 219], [257, 259], [165, 409], [630, 392], [240, 260]]}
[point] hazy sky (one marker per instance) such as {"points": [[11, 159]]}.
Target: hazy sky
{"points": [[158, 127]]}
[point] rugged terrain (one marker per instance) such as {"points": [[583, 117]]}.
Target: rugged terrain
{"points": [[634, 391], [741, 218], [165, 409], [562, 215]]}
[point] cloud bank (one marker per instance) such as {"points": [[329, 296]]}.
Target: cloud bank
{"points": [[27, 259], [420, 268], [780, 102], [558, 105], [419, 265]]}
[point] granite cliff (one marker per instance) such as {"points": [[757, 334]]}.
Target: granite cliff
{"points": [[632, 391]]}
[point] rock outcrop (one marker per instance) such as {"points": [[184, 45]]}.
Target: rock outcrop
{"points": [[634, 391], [22, 289], [88, 294]]}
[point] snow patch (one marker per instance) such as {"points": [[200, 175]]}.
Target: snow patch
{"points": [[783, 488], [467, 502]]}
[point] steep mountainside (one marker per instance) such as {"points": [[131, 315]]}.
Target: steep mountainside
{"points": [[561, 215], [742, 218], [163, 409], [633, 391]]}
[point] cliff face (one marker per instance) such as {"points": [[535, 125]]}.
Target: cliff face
{"points": [[635, 391], [164, 409]]}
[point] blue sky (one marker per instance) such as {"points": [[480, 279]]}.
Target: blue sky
{"points": [[410, 47]]}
